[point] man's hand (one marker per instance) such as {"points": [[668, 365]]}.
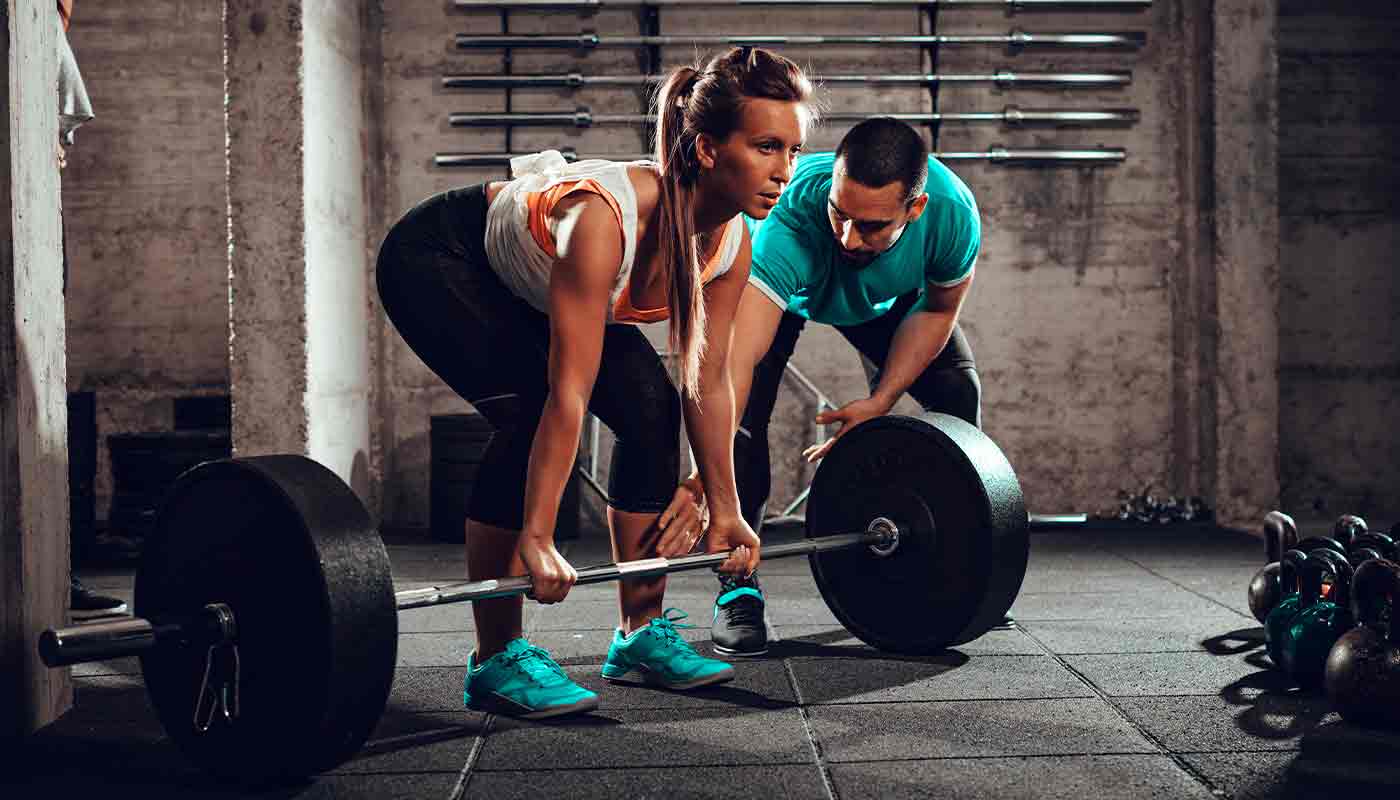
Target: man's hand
{"points": [[681, 524], [849, 416], [734, 535], [62, 154]]}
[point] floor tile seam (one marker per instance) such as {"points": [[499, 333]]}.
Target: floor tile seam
{"points": [[1146, 735], [1181, 585], [815, 746], [464, 777], [1002, 756], [669, 766]]}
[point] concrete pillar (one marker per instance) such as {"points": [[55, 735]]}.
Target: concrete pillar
{"points": [[299, 321], [33, 391], [1244, 108]]}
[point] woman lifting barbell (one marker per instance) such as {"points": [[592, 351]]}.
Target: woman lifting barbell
{"points": [[510, 292]]}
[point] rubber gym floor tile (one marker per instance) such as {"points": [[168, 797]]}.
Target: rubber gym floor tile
{"points": [[974, 728], [421, 786], [757, 684], [1228, 586], [1129, 777], [591, 646], [1095, 605], [951, 676], [705, 736], [149, 785], [1162, 674], [673, 783], [1077, 581], [420, 689], [456, 617], [1239, 720], [834, 640], [434, 649], [118, 696], [130, 665], [418, 742], [1257, 776], [1222, 631]]}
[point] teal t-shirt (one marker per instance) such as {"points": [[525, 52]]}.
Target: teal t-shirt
{"points": [[797, 260]]}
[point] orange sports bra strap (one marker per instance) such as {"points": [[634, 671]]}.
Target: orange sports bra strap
{"points": [[542, 204]]}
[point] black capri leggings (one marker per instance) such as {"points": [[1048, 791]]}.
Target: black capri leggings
{"points": [[492, 348]]}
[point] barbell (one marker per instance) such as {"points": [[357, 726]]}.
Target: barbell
{"points": [[267, 620], [588, 40], [1013, 116], [996, 154], [1001, 77]]}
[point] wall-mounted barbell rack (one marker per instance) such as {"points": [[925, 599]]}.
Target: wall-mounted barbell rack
{"points": [[995, 154], [1011, 6], [1002, 78]]}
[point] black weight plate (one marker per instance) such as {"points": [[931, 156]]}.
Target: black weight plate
{"points": [[286, 544], [963, 532]]}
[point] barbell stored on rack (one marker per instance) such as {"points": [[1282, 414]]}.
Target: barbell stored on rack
{"points": [[1011, 116], [995, 154], [1011, 5], [267, 619], [588, 40], [575, 80]]}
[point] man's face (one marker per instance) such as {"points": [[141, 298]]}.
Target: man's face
{"points": [[867, 221]]}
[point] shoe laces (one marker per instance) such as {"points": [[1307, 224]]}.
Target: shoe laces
{"points": [[744, 611], [666, 625], [536, 663]]}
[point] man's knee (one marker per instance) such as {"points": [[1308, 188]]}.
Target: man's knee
{"points": [[956, 391]]}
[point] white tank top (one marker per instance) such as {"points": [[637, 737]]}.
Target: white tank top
{"points": [[524, 266]]}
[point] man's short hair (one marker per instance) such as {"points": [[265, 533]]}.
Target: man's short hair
{"points": [[882, 150]]}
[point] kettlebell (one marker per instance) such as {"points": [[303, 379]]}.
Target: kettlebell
{"points": [[1278, 621], [1370, 545], [1265, 590], [1363, 668], [1347, 528], [1319, 622]]}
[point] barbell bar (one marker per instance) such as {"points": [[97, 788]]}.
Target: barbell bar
{"points": [[575, 80], [588, 40], [995, 155], [99, 641], [1010, 5], [271, 586], [1010, 115]]}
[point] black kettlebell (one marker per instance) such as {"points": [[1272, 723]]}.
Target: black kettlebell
{"points": [[1347, 528], [1265, 589], [1362, 675], [1370, 545]]}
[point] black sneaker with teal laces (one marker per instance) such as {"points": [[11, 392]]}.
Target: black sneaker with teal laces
{"points": [[739, 628]]}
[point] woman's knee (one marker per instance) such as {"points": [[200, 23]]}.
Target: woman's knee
{"points": [[646, 456]]}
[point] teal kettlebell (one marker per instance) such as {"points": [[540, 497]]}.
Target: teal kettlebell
{"points": [[1319, 623], [1280, 619]]}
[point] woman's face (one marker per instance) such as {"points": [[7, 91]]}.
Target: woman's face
{"points": [[751, 167]]}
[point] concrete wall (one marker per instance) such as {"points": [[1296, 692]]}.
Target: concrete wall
{"points": [[145, 206], [1339, 184], [33, 414]]}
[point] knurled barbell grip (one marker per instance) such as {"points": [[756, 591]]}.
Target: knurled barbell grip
{"points": [[506, 587]]}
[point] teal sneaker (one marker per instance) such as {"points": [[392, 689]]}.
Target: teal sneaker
{"points": [[523, 681], [663, 657]]}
